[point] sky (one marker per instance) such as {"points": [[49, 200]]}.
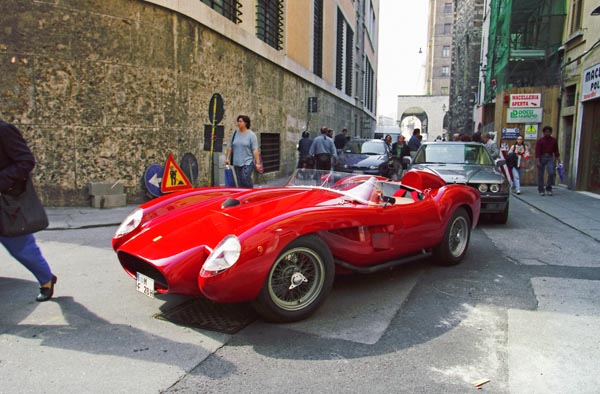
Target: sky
{"points": [[401, 69]]}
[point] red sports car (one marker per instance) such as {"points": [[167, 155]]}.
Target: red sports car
{"points": [[280, 247]]}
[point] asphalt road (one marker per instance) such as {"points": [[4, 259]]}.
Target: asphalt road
{"points": [[521, 311]]}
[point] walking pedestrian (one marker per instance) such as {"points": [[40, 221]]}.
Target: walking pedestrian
{"points": [[546, 155], [244, 149], [491, 146], [16, 164], [414, 142], [303, 150], [517, 154], [323, 150], [341, 139], [399, 150]]}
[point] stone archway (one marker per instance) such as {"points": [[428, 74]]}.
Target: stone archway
{"points": [[414, 118], [430, 112]]}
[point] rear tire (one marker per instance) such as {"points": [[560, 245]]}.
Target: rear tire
{"points": [[298, 282], [455, 243]]}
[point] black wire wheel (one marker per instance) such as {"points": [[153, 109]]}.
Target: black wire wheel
{"points": [[454, 246], [298, 281]]}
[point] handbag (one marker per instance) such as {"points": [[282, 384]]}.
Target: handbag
{"points": [[22, 213], [230, 179]]}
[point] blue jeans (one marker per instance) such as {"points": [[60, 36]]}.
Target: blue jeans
{"points": [[516, 173], [546, 165], [25, 250], [244, 175]]}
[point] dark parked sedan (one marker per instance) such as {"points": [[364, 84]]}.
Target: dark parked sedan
{"points": [[471, 164], [365, 157]]}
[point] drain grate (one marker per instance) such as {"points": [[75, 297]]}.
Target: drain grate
{"points": [[203, 313]]}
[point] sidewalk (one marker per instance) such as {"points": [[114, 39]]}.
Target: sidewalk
{"points": [[579, 210]]}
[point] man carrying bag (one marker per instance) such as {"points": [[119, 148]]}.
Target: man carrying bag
{"points": [[21, 212]]}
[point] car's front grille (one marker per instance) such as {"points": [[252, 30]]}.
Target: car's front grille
{"points": [[133, 265]]}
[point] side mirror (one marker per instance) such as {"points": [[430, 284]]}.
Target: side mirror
{"points": [[407, 160], [500, 162]]}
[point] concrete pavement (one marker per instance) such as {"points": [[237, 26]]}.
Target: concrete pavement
{"points": [[578, 210]]}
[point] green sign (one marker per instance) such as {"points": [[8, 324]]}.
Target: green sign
{"points": [[524, 115]]}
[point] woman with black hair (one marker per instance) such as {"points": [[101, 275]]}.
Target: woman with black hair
{"points": [[243, 153]]}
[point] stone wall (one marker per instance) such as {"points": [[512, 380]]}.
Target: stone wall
{"points": [[103, 89]]}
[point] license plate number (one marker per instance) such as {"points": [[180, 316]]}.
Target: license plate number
{"points": [[144, 284]]}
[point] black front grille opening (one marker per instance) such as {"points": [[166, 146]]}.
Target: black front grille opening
{"points": [[206, 314], [133, 265]]}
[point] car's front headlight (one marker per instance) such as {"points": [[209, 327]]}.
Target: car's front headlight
{"points": [[482, 188], [130, 223], [224, 256]]}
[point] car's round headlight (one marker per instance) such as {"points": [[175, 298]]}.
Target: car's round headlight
{"points": [[224, 256], [130, 223], [495, 188], [483, 188]]}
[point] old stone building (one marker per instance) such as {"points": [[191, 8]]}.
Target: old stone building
{"points": [[466, 41], [104, 88]]}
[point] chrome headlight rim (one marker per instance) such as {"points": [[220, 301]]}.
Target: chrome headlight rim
{"points": [[482, 187], [131, 222], [222, 257]]}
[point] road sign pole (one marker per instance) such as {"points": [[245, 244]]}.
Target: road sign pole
{"points": [[212, 144]]}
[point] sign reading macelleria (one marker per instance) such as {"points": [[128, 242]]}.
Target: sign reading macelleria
{"points": [[590, 84]]}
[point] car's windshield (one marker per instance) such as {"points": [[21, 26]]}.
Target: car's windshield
{"points": [[375, 147], [359, 188], [453, 154]]}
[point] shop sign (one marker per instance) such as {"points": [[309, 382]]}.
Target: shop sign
{"points": [[524, 115], [590, 84], [525, 100]]}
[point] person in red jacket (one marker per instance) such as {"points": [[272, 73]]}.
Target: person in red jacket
{"points": [[16, 163], [546, 155]]}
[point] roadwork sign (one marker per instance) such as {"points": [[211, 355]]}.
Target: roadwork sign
{"points": [[174, 179]]}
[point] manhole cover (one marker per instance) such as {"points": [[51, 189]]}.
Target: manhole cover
{"points": [[203, 313]]}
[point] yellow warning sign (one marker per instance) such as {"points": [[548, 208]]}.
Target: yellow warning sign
{"points": [[173, 179]]}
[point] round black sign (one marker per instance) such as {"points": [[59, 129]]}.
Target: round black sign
{"points": [[215, 109], [189, 166]]}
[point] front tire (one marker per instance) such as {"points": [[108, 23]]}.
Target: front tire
{"points": [[454, 246], [298, 282]]}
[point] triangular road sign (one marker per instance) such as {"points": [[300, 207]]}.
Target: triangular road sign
{"points": [[174, 179]]}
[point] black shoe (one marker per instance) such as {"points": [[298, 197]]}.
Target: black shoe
{"points": [[46, 292]]}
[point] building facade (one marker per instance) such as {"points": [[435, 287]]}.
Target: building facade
{"points": [[520, 58], [104, 89], [439, 50], [580, 100]]}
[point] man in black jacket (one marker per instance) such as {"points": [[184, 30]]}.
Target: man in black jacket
{"points": [[16, 164]]}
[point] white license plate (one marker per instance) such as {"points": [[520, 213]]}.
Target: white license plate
{"points": [[144, 284]]}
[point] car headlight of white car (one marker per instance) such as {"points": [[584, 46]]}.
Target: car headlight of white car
{"points": [[130, 223], [224, 256]]}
